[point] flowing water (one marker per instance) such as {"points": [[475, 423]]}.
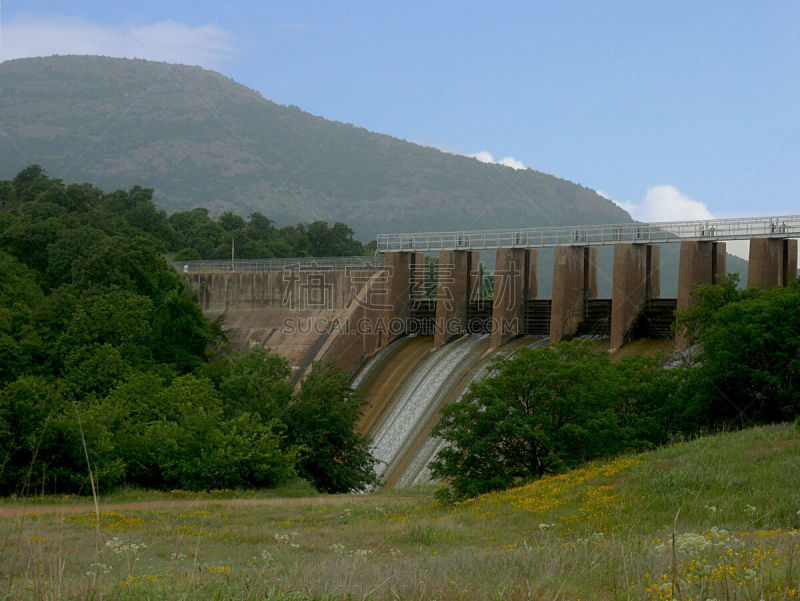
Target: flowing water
{"points": [[405, 385]]}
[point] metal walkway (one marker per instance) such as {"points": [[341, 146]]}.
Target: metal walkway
{"points": [[371, 263], [783, 226]]}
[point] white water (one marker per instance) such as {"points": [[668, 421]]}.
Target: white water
{"points": [[416, 403], [376, 359], [418, 471]]}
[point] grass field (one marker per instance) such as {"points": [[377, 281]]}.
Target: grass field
{"points": [[715, 518]]}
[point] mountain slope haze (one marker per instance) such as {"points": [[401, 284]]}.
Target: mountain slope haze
{"points": [[201, 139]]}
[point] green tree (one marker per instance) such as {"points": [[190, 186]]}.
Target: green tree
{"points": [[547, 409], [749, 368], [101, 340], [322, 421], [706, 301], [257, 383], [28, 408]]}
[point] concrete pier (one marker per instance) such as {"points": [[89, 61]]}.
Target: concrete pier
{"points": [[403, 272], [456, 282], [700, 263], [637, 279], [773, 262], [574, 283], [510, 279], [474, 275], [532, 269], [395, 301]]}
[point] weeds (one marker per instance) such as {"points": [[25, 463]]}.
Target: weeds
{"points": [[607, 531]]}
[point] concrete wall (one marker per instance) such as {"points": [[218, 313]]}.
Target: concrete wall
{"points": [[347, 316], [510, 287], [700, 263], [277, 290], [405, 274], [452, 296], [574, 282], [773, 262], [532, 269], [637, 276], [302, 315]]}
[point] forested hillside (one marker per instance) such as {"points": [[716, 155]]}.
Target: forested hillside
{"points": [[105, 356], [202, 140]]}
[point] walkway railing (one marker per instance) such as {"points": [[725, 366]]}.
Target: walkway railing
{"points": [[291, 264], [784, 226]]}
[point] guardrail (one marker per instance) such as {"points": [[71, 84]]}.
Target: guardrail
{"points": [[372, 263], [782, 226]]}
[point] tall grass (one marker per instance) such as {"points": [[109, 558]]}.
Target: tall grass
{"points": [[607, 531]]}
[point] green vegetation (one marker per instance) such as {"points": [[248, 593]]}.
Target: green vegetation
{"points": [[749, 367], [549, 408], [110, 374], [196, 236], [202, 140], [603, 532]]}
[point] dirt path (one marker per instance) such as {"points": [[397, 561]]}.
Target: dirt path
{"points": [[19, 510]]}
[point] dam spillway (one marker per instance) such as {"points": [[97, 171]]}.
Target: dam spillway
{"points": [[405, 386], [353, 310]]}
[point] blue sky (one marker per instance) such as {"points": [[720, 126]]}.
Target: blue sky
{"points": [[673, 109]]}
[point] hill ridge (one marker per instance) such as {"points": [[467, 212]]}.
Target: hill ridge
{"points": [[200, 138]]}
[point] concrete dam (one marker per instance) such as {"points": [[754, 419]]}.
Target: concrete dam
{"points": [[414, 345]]}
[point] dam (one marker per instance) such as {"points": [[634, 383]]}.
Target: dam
{"points": [[415, 333]]}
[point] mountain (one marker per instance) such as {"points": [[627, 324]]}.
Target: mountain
{"points": [[201, 139]]}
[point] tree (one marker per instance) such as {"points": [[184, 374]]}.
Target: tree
{"points": [[231, 221], [257, 382], [100, 339], [707, 300], [322, 421], [749, 369], [547, 409]]}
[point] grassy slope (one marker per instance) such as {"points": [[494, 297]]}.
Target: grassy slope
{"points": [[603, 532]]}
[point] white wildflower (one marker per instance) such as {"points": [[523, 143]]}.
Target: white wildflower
{"points": [[119, 546], [98, 568]]}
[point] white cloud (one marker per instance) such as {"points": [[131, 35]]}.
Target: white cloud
{"points": [[625, 206], [483, 156], [667, 203], [511, 162], [486, 157], [664, 203], [28, 36]]}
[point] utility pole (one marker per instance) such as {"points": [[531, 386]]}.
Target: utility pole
{"points": [[233, 259]]}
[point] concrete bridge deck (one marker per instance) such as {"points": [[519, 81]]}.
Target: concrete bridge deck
{"points": [[715, 230]]}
